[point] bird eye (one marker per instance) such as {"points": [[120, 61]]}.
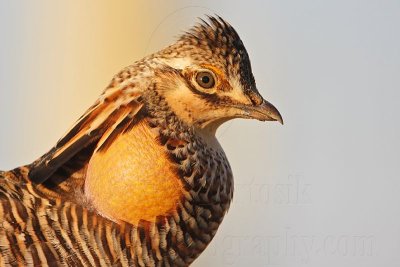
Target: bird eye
{"points": [[205, 79]]}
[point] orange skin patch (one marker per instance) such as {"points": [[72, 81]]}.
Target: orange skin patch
{"points": [[133, 179], [222, 82]]}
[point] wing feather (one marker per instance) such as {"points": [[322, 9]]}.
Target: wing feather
{"points": [[112, 111]]}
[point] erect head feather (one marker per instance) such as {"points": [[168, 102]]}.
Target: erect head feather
{"points": [[216, 42]]}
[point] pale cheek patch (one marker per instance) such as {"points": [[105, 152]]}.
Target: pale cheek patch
{"points": [[185, 104]]}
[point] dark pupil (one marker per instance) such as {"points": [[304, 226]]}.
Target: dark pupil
{"points": [[205, 79]]}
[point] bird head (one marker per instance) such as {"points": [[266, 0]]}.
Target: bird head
{"points": [[207, 79]]}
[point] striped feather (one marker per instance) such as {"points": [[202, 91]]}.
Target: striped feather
{"points": [[98, 123]]}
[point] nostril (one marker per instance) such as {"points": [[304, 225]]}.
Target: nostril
{"points": [[255, 98]]}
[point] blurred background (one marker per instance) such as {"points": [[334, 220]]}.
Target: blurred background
{"points": [[322, 190]]}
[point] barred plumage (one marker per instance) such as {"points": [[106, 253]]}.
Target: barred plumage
{"points": [[140, 180]]}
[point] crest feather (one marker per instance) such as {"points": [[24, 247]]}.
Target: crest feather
{"points": [[218, 37]]}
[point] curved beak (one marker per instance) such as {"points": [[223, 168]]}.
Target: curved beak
{"points": [[264, 112]]}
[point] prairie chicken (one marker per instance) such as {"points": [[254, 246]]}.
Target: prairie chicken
{"points": [[140, 179]]}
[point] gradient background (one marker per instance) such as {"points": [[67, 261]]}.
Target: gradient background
{"points": [[323, 190]]}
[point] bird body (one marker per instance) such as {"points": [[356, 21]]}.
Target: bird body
{"points": [[140, 179]]}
